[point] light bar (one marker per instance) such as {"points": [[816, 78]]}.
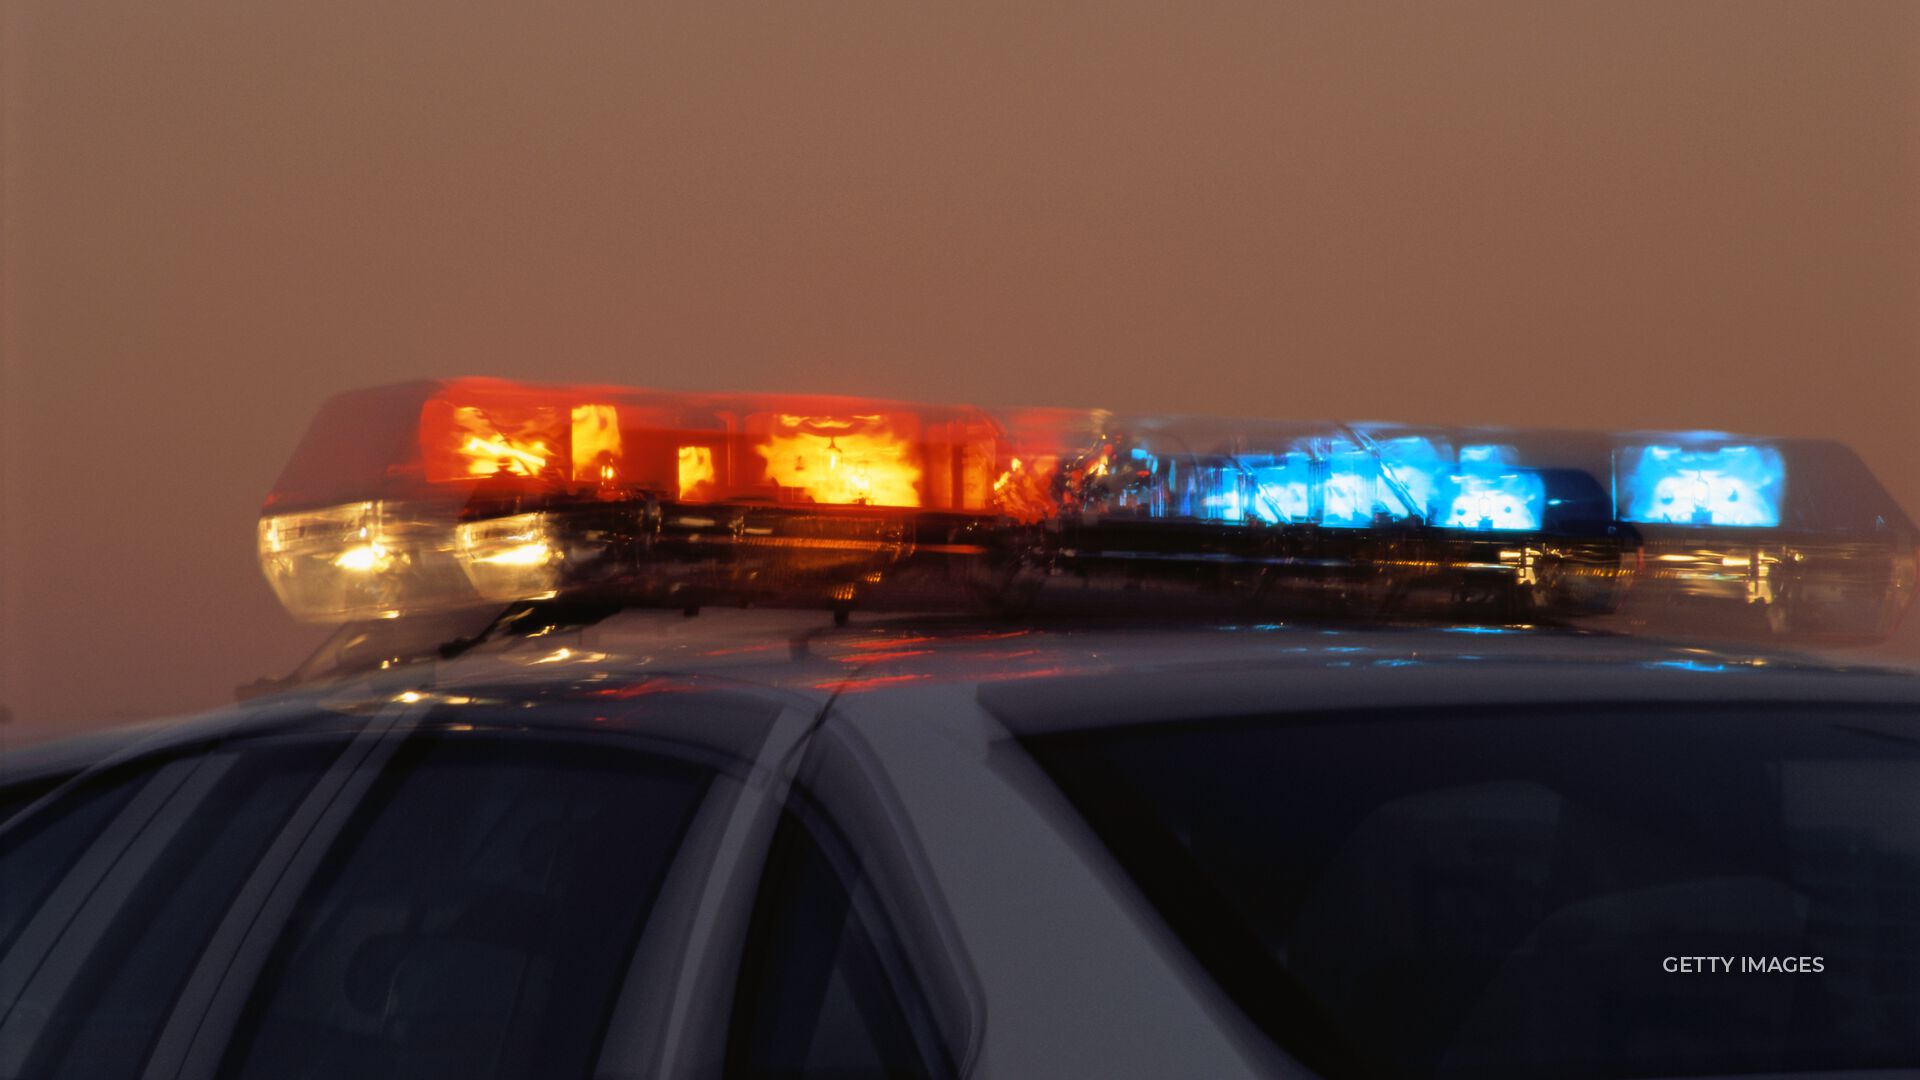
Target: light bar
{"points": [[441, 495]]}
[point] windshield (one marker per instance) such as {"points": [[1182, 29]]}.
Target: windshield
{"points": [[1599, 891]]}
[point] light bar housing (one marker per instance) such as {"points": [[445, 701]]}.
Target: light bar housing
{"points": [[440, 495]]}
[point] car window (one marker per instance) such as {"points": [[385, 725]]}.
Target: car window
{"points": [[1587, 892], [36, 852], [95, 1005], [813, 998], [18, 796], [476, 915]]}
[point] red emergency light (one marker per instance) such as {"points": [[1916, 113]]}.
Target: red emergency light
{"points": [[462, 439]]}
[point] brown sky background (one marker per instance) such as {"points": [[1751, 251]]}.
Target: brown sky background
{"points": [[218, 213]]}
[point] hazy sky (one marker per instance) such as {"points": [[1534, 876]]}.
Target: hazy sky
{"points": [[216, 214]]}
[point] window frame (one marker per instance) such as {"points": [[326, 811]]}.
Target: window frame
{"points": [[841, 798], [673, 1005], [674, 1011], [78, 901], [197, 1032], [288, 863], [59, 939]]}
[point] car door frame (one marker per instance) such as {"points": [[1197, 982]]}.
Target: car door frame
{"points": [[839, 790], [199, 1030]]}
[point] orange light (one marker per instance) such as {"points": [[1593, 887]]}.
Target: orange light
{"points": [[846, 460], [696, 468], [448, 440], [1024, 492], [490, 445], [596, 443]]}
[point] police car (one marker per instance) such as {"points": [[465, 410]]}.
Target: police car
{"points": [[689, 735]]}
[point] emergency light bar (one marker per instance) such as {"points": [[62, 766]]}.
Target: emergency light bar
{"points": [[434, 496]]}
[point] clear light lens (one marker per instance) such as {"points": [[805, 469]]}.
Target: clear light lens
{"points": [[511, 558], [359, 560]]}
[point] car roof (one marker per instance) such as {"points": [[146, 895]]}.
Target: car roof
{"points": [[1036, 675], [803, 653]]}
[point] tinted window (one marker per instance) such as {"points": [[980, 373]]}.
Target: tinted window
{"points": [[1511, 893], [36, 852], [813, 998], [476, 916], [158, 907], [17, 797]]}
